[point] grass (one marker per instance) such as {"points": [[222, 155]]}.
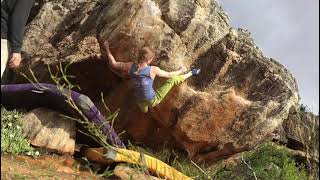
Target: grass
{"points": [[45, 167], [12, 139]]}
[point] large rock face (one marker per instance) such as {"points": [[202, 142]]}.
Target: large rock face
{"points": [[239, 99]]}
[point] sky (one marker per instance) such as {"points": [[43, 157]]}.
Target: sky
{"points": [[288, 31]]}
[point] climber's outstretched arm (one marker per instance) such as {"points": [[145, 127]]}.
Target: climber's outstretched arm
{"points": [[122, 67], [161, 73]]}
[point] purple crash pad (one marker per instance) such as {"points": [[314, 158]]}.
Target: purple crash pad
{"points": [[29, 96]]}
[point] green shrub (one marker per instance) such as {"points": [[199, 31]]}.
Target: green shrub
{"points": [[12, 140], [267, 162]]}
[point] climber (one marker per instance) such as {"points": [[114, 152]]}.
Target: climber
{"points": [[142, 75], [14, 16]]}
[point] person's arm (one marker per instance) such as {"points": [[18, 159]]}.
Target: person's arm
{"points": [[161, 73], [122, 67], [17, 22]]}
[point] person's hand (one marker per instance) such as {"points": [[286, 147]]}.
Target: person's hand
{"points": [[15, 60]]}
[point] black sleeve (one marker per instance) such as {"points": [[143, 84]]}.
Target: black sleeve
{"points": [[17, 22]]}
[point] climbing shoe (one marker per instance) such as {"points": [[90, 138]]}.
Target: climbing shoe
{"points": [[195, 71]]}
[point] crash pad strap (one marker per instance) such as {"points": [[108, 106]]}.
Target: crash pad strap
{"points": [[108, 155]]}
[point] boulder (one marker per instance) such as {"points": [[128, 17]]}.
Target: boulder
{"points": [[48, 129], [300, 132], [124, 172], [236, 102]]}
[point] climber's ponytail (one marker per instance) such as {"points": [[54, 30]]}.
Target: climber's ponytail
{"points": [[144, 55]]}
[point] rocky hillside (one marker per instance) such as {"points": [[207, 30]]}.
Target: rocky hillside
{"points": [[238, 101]]}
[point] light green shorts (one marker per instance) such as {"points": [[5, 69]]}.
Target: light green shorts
{"points": [[160, 93]]}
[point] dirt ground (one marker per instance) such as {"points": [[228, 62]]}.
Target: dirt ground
{"points": [[44, 167]]}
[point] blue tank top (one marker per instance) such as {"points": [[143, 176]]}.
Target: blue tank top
{"points": [[142, 83]]}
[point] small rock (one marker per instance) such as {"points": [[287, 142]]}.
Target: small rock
{"points": [[69, 162], [125, 172], [47, 128]]}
